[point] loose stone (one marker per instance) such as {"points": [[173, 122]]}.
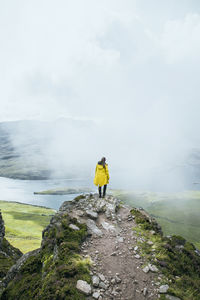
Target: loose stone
{"points": [[118, 280], [96, 295], [95, 280], [153, 268], [74, 227], [120, 239], [103, 285], [145, 291], [145, 269], [84, 287], [163, 289], [92, 228], [102, 277], [92, 214]]}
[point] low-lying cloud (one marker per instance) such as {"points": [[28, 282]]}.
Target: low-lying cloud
{"points": [[130, 69]]}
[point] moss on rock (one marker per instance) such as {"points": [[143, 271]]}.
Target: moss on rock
{"points": [[176, 258], [8, 253], [52, 273]]}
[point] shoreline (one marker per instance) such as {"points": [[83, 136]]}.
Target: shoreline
{"points": [[22, 203]]}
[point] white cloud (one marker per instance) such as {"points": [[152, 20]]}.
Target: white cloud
{"points": [[181, 39], [131, 66]]}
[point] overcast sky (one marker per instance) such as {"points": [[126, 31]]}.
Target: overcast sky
{"points": [[130, 66]]}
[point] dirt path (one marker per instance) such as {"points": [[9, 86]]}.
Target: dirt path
{"points": [[117, 264]]}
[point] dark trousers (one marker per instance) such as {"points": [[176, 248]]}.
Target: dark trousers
{"points": [[104, 190]]}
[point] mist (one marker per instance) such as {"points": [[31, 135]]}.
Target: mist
{"points": [[110, 78]]}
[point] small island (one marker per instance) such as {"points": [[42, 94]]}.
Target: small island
{"points": [[65, 191]]}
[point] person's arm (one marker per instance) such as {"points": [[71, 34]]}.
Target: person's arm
{"points": [[107, 172]]}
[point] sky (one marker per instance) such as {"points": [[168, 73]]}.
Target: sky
{"points": [[129, 67]]}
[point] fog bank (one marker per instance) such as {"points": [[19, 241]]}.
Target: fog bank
{"points": [[110, 78]]}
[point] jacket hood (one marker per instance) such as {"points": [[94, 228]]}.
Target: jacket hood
{"points": [[100, 166]]}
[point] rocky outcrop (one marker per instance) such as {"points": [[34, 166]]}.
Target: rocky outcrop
{"points": [[101, 249], [2, 229], [8, 254]]}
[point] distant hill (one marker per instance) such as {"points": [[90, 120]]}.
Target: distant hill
{"points": [[40, 150], [17, 148]]}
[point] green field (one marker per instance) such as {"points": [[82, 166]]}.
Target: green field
{"points": [[177, 213], [24, 224]]}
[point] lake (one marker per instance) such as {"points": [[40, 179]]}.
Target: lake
{"points": [[23, 190]]}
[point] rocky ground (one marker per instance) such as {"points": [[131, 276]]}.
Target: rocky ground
{"points": [[99, 248], [8, 254], [118, 270]]}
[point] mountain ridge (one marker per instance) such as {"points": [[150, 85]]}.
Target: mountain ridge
{"points": [[97, 248]]}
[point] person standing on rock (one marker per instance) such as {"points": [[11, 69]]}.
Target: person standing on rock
{"points": [[101, 176]]}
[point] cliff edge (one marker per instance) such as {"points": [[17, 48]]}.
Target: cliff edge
{"points": [[8, 254], [102, 249]]}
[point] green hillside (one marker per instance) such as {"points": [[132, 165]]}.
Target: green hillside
{"points": [[177, 213], [24, 224]]}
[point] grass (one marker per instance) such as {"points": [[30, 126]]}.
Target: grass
{"points": [[24, 224], [52, 273], [174, 256], [177, 213]]}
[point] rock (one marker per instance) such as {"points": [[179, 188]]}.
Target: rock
{"points": [[74, 227], [172, 297], [110, 210], [135, 248], [2, 229], [150, 243], [96, 295], [102, 277], [146, 269], [153, 268], [101, 205], [92, 228], [145, 291], [137, 256], [163, 289], [95, 281], [113, 254], [118, 280], [55, 252], [107, 226], [103, 285], [120, 239], [84, 287], [19, 264], [91, 214]]}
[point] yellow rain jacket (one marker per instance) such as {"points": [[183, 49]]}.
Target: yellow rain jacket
{"points": [[101, 175]]}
